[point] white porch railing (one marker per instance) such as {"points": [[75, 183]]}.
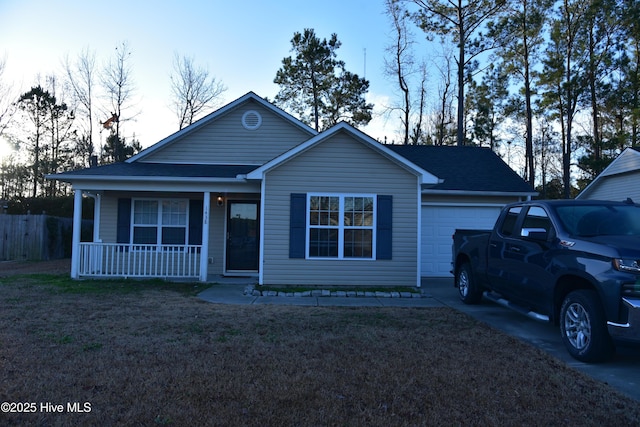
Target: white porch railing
{"points": [[127, 260]]}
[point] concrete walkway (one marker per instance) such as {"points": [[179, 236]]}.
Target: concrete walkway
{"points": [[622, 373]]}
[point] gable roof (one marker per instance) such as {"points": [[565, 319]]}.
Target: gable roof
{"points": [[465, 169], [425, 177], [627, 161], [216, 114]]}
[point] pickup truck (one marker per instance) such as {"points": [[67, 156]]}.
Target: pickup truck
{"points": [[574, 263]]}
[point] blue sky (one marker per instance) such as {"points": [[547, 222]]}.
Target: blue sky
{"points": [[242, 43]]}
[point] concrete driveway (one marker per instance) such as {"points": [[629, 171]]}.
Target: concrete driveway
{"points": [[622, 373]]}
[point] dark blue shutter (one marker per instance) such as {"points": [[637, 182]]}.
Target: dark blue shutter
{"points": [[297, 225], [195, 222], [384, 227], [124, 221]]}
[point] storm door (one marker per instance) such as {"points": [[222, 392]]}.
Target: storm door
{"points": [[242, 236]]}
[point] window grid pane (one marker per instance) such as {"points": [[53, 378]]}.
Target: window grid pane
{"points": [[323, 242], [145, 235], [358, 212], [173, 235], [358, 243], [174, 212], [145, 212], [324, 211]]}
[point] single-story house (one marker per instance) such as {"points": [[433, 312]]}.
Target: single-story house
{"points": [[618, 181], [251, 190]]}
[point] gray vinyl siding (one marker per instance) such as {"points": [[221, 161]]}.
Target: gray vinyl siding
{"points": [[616, 187], [629, 160], [340, 165], [109, 217], [226, 141]]}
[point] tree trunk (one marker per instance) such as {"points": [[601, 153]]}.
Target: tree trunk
{"points": [[460, 130]]}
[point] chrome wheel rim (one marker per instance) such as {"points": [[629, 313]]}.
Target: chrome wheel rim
{"points": [[463, 284], [577, 326]]}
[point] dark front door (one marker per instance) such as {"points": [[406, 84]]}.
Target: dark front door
{"points": [[242, 236]]}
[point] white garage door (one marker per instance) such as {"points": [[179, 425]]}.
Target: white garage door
{"points": [[439, 224]]}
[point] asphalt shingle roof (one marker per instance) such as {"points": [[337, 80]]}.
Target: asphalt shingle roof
{"points": [[464, 168], [140, 169], [460, 168]]}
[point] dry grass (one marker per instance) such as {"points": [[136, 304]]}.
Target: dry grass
{"points": [[141, 355]]}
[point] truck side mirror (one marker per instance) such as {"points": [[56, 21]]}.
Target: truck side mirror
{"points": [[537, 234]]}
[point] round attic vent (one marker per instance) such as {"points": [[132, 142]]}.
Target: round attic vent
{"points": [[251, 120]]}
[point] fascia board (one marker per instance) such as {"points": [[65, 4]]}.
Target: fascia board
{"points": [[480, 193], [193, 187], [138, 179]]}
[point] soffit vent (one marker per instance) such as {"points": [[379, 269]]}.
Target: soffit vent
{"points": [[251, 120]]}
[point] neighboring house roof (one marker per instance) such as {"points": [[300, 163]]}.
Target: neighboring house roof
{"points": [[626, 162], [465, 169], [216, 114], [157, 171], [425, 176]]}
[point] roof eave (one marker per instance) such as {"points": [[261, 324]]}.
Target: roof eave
{"points": [[480, 193], [124, 178]]}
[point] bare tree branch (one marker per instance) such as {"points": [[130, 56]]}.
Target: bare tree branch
{"points": [[195, 92], [7, 99], [119, 86], [400, 66], [80, 78]]}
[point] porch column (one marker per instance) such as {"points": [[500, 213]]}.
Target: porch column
{"points": [[204, 252], [96, 217], [77, 226]]}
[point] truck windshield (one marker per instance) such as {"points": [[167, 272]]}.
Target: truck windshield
{"points": [[600, 220]]}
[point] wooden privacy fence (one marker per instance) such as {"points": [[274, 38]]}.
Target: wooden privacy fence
{"points": [[37, 237]]}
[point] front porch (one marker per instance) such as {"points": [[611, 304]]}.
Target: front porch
{"points": [[168, 235], [109, 260]]}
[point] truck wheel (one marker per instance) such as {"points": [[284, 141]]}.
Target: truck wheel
{"points": [[469, 292], [583, 327]]}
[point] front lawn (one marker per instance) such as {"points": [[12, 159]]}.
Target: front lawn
{"points": [[152, 354]]}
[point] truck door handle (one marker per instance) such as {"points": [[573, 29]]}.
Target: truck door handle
{"points": [[515, 249]]}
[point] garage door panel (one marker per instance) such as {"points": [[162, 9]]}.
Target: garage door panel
{"points": [[439, 224]]}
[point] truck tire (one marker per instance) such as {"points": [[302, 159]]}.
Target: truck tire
{"points": [[469, 291], [583, 327]]}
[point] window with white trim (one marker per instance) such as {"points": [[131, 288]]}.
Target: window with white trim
{"points": [[341, 226], [160, 221]]}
